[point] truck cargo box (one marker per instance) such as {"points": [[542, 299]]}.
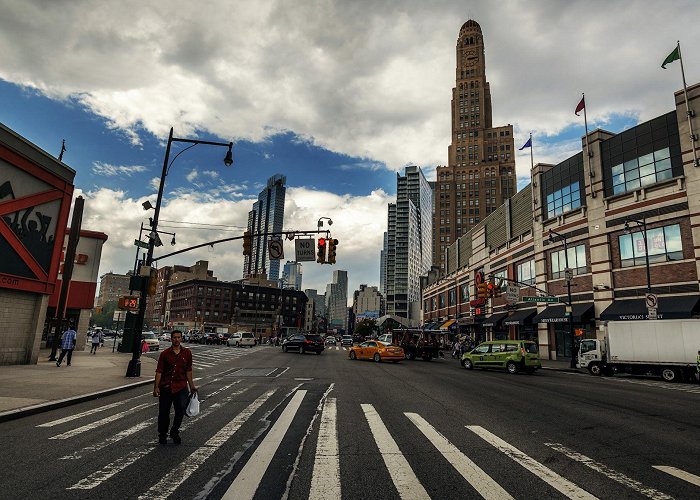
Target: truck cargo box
{"points": [[654, 341]]}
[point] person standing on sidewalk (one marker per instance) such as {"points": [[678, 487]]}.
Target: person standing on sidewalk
{"points": [[67, 345], [173, 375]]}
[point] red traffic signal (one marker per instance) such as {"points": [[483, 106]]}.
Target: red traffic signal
{"points": [[321, 251]]}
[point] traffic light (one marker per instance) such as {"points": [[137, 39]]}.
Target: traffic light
{"points": [[482, 290], [321, 251], [247, 243], [490, 289], [331, 250]]}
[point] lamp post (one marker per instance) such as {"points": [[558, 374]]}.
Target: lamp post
{"points": [[572, 337], [643, 223], [134, 368]]}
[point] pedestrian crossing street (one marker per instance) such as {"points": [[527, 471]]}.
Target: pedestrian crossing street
{"points": [[232, 450]]}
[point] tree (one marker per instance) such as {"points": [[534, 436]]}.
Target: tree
{"points": [[105, 318], [366, 327]]}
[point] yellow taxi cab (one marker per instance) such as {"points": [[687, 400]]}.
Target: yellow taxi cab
{"points": [[376, 350]]}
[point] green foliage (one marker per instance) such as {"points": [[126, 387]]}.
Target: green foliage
{"points": [[366, 327], [104, 318]]}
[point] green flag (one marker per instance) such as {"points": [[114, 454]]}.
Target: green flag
{"points": [[673, 56]]}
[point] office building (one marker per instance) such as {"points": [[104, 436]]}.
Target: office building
{"points": [[267, 216], [337, 301], [480, 171], [291, 276]]}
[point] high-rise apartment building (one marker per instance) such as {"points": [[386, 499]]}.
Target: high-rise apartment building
{"points": [[480, 172], [407, 252], [267, 216], [337, 301]]}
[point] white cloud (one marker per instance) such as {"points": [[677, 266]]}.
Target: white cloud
{"points": [[108, 170], [358, 223], [211, 173], [370, 79], [192, 175]]}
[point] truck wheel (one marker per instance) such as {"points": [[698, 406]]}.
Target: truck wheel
{"points": [[377, 358], [467, 363], [669, 374], [595, 369], [512, 367]]}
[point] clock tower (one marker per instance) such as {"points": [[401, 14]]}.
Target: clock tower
{"points": [[480, 171]]}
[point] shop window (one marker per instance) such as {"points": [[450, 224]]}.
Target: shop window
{"points": [[664, 244]]}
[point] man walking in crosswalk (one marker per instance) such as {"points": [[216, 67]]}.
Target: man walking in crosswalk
{"points": [[173, 375]]}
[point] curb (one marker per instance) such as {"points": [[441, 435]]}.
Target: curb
{"points": [[569, 370], [60, 403]]}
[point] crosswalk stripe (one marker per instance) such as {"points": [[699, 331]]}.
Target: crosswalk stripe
{"points": [[86, 413], [325, 480], [111, 439], [400, 471], [560, 484], [680, 474], [93, 425], [247, 481], [610, 473], [482, 482], [178, 474]]}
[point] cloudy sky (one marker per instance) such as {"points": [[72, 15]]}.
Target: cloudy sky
{"points": [[336, 95]]}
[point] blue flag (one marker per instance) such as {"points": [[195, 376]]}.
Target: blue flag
{"points": [[528, 144]]}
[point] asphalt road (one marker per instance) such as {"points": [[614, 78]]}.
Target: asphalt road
{"points": [[276, 425]]}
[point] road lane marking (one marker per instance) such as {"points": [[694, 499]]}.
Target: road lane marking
{"points": [[178, 474], [247, 481], [113, 468], [402, 475], [609, 473], [560, 484], [280, 373], [88, 412], [110, 440], [679, 473], [325, 480], [482, 482], [98, 423]]}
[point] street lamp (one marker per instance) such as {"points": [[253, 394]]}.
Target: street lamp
{"points": [[319, 224], [134, 369], [568, 294], [643, 223]]}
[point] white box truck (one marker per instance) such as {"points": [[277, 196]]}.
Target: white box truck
{"points": [[667, 348]]}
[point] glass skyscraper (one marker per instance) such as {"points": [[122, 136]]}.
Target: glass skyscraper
{"points": [[267, 216]]}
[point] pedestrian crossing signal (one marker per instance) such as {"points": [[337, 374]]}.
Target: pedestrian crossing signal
{"points": [[321, 251]]}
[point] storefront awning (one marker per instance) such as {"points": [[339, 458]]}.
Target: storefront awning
{"points": [[678, 307], [582, 313], [521, 317], [494, 320], [428, 326], [446, 325]]}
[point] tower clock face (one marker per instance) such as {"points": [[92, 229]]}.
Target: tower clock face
{"points": [[472, 57]]}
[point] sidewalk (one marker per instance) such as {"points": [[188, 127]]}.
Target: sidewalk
{"points": [[29, 389], [565, 365]]}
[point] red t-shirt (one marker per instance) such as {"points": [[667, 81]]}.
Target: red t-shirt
{"points": [[173, 369]]}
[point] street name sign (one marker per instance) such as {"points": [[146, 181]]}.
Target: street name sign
{"points": [[548, 300], [305, 250], [141, 244]]}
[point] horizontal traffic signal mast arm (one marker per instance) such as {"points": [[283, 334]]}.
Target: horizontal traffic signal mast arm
{"points": [[252, 235], [546, 293]]}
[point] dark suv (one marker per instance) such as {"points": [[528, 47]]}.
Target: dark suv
{"points": [[303, 343]]}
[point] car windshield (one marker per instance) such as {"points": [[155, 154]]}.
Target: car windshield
{"points": [[531, 347], [247, 335]]}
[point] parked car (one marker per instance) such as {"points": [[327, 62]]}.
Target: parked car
{"points": [[164, 337], [210, 339], [386, 338], [303, 343], [151, 340], [512, 355], [241, 339], [331, 340], [377, 351], [346, 340]]}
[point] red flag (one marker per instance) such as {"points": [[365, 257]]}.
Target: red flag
{"points": [[581, 106]]}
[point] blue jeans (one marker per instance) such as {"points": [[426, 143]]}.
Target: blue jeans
{"points": [[165, 401]]}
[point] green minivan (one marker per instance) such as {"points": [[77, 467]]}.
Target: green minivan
{"points": [[513, 355]]}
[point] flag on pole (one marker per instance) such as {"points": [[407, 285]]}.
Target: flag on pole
{"points": [[528, 144], [581, 106], [673, 56]]}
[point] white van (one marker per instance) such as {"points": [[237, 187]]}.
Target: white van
{"points": [[239, 339]]}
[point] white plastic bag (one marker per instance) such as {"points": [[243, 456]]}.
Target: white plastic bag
{"points": [[192, 409]]}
